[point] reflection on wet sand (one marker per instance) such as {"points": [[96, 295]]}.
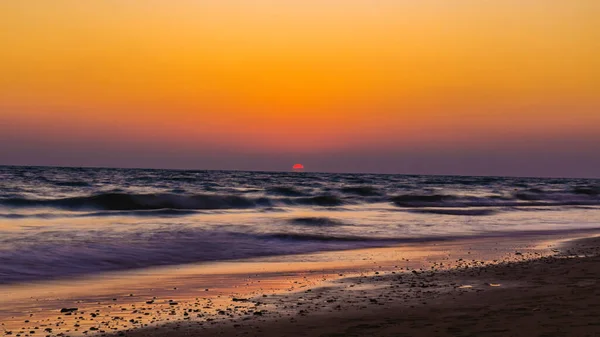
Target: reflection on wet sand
{"points": [[209, 293]]}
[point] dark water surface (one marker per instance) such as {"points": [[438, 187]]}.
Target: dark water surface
{"points": [[60, 222]]}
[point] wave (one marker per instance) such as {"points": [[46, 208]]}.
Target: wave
{"points": [[412, 200], [528, 198], [585, 190], [145, 202], [145, 213], [316, 221], [173, 204], [287, 191], [133, 202], [363, 191]]}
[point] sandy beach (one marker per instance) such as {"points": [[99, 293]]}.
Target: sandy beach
{"points": [[531, 285], [549, 296]]}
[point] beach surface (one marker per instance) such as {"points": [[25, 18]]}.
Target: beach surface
{"points": [[530, 285], [555, 295]]}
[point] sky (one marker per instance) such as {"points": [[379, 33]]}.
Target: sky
{"points": [[471, 87]]}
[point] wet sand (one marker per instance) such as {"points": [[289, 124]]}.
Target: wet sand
{"points": [[527, 286], [549, 296]]}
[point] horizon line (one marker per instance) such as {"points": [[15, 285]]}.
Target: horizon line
{"points": [[305, 171]]}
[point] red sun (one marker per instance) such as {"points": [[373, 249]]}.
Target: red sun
{"points": [[298, 167]]}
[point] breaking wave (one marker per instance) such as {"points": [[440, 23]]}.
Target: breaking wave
{"points": [[137, 202], [176, 203]]}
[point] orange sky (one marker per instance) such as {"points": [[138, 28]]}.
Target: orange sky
{"points": [[276, 77]]}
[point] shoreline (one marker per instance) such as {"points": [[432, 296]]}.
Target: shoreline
{"points": [[258, 293], [555, 295]]}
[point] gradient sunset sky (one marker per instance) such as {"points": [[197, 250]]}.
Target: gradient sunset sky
{"points": [[479, 87]]}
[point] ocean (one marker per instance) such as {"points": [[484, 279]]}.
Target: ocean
{"points": [[58, 223]]}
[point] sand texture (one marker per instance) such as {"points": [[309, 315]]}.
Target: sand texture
{"points": [[549, 296], [528, 286]]}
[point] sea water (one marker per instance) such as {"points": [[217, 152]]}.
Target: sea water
{"points": [[63, 222]]}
